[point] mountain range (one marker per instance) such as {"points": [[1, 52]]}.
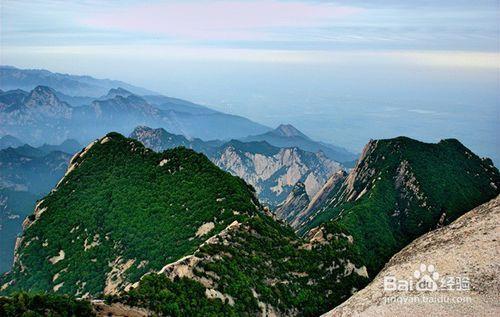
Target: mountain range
{"points": [[271, 170], [134, 224], [70, 85], [41, 116], [211, 214], [287, 135]]}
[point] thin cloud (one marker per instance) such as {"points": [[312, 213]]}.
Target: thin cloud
{"points": [[219, 20]]}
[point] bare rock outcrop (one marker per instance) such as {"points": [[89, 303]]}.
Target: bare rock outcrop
{"points": [[458, 263]]}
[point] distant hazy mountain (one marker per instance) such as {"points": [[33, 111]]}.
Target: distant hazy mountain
{"points": [[41, 117], [70, 146], [9, 141], [72, 85], [160, 140], [174, 104], [287, 135], [14, 207], [273, 171], [26, 174], [31, 169]]}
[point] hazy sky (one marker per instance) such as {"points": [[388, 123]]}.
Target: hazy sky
{"points": [[342, 71]]}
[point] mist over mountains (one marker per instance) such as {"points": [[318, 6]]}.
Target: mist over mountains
{"points": [[202, 213], [45, 113]]}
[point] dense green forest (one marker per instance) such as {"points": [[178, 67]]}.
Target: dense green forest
{"points": [[43, 305]]}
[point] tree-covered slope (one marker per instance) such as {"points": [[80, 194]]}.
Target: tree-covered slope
{"points": [[402, 188], [257, 267], [123, 210], [41, 305]]}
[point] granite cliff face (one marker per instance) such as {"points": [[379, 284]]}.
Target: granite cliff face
{"points": [[274, 171], [297, 200], [318, 201], [466, 249]]}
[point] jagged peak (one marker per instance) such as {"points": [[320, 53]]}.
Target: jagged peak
{"points": [[117, 92], [43, 91]]}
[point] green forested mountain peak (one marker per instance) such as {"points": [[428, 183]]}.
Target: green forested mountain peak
{"points": [[121, 211], [401, 188]]}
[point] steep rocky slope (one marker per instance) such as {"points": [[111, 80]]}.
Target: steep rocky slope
{"points": [[467, 249], [303, 215], [297, 200], [404, 188], [120, 211], [274, 171]]}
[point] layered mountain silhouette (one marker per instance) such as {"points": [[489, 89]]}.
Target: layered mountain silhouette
{"points": [[42, 115], [9, 141], [71, 85], [287, 135]]}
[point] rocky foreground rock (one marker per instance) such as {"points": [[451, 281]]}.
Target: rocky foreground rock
{"points": [[467, 250]]}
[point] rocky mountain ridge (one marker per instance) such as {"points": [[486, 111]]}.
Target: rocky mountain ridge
{"points": [[402, 187], [41, 116]]}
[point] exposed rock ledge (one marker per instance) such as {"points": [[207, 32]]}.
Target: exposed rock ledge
{"points": [[118, 310], [469, 247]]}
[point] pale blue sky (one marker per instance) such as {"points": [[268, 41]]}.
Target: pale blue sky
{"points": [[342, 71]]}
